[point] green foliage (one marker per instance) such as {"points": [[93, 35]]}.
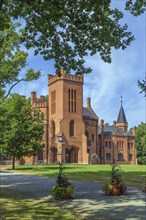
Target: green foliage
{"points": [[142, 86], [21, 128], [59, 192], [68, 30], [115, 176], [115, 181], [12, 59], [64, 189], [140, 141]]}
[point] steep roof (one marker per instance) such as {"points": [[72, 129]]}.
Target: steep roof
{"points": [[87, 113], [108, 130], [121, 116]]}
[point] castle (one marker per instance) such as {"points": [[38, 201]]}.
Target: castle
{"points": [[72, 133]]}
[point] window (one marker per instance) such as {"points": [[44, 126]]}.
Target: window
{"points": [[71, 128], [40, 155], [120, 157], [88, 151], [130, 157], [86, 133], [75, 101], [108, 156], [110, 144], [53, 102], [53, 129], [69, 100], [106, 144], [72, 101], [92, 137], [128, 145], [131, 145]]}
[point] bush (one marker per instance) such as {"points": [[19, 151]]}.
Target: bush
{"points": [[63, 189]]}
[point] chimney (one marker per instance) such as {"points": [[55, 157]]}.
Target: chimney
{"points": [[102, 124], [114, 123], [33, 97], [42, 99], [88, 103], [134, 131]]}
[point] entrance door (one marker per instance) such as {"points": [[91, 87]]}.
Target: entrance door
{"points": [[54, 155], [73, 155]]}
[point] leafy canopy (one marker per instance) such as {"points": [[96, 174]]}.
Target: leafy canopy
{"points": [[68, 30], [140, 140], [21, 128], [12, 58]]}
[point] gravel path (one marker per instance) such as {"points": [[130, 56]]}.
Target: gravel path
{"points": [[88, 200]]}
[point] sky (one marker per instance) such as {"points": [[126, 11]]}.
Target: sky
{"points": [[107, 82]]}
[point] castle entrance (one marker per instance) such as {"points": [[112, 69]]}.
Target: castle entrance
{"points": [[71, 156], [54, 154]]}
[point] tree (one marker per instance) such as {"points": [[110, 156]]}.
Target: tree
{"points": [[142, 86], [68, 30], [141, 143], [12, 59], [21, 128]]}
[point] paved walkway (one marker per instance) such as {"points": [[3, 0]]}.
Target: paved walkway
{"points": [[88, 200]]}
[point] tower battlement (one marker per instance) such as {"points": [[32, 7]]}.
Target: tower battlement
{"points": [[38, 102], [64, 76]]}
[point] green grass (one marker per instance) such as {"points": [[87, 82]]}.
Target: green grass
{"points": [[132, 175], [16, 207]]}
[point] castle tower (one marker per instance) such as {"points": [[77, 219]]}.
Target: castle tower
{"points": [[67, 140], [121, 120]]}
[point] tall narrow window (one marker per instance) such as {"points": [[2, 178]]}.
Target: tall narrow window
{"points": [[71, 128], [53, 129], [72, 101], [75, 101], [69, 100], [110, 144], [92, 137], [53, 102]]}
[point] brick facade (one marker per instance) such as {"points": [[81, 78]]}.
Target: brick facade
{"points": [[71, 131]]}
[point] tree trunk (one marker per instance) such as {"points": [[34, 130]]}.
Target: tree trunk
{"points": [[13, 163]]}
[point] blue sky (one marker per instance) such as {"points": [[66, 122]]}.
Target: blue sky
{"points": [[107, 81]]}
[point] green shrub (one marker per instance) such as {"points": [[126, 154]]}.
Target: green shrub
{"points": [[63, 189]]}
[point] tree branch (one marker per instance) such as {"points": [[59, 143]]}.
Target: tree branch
{"points": [[9, 91]]}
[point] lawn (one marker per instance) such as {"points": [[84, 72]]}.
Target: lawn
{"points": [[133, 175], [15, 207]]}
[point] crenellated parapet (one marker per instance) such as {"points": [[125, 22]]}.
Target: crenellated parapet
{"points": [[64, 76], [38, 102]]}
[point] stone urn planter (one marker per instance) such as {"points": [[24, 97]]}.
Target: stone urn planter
{"points": [[116, 190], [114, 186]]}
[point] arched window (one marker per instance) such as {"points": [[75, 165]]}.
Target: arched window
{"points": [[71, 128]]}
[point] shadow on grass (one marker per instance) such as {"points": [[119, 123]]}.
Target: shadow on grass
{"points": [[14, 206], [88, 199]]}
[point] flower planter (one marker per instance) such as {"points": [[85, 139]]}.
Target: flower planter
{"points": [[116, 190]]}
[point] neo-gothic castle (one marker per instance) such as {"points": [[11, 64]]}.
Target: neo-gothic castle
{"points": [[73, 134]]}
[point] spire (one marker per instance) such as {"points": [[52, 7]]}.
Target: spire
{"points": [[121, 116]]}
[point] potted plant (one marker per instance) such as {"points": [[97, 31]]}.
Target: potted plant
{"points": [[63, 188], [115, 186]]}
